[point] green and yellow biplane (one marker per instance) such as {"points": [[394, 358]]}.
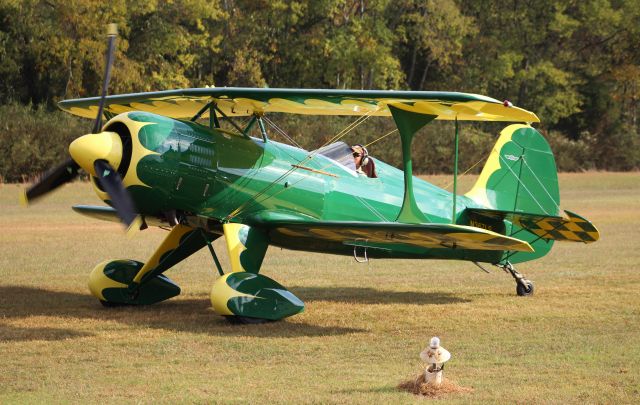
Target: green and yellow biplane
{"points": [[155, 163]]}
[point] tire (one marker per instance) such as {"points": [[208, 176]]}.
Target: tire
{"points": [[525, 288]]}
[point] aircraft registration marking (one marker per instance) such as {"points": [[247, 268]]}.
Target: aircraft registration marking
{"points": [[482, 225]]}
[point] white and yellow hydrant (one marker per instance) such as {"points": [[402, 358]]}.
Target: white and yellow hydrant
{"points": [[435, 357]]}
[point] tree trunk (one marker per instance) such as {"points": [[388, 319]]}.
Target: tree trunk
{"points": [[412, 68], [424, 74], [522, 93]]}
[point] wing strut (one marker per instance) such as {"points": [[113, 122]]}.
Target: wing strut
{"points": [[454, 195], [408, 124]]}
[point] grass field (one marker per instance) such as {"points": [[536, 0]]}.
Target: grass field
{"points": [[576, 340]]}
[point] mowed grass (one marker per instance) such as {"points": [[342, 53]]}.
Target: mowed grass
{"points": [[576, 340]]}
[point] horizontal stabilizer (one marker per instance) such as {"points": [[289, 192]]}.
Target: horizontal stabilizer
{"points": [[574, 228], [442, 236]]}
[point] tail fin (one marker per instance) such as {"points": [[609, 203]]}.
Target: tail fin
{"points": [[520, 175]]}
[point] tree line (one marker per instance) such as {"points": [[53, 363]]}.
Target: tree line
{"points": [[576, 63]]}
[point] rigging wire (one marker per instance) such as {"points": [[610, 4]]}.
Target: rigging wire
{"points": [[372, 209], [466, 171], [381, 138], [523, 185], [540, 182], [281, 131], [309, 157], [364, 203]]}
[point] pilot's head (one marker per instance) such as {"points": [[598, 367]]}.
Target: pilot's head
{"points": [[359, 153]]}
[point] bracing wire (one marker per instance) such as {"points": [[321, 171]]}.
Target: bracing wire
{"points": [[364, 203], [253, 200], [540, 182], [523, 185], [465, 172], [381, 138], [371, 208], [281, 132]]}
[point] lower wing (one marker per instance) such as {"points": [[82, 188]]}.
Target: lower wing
{"points": [[443, 236]]}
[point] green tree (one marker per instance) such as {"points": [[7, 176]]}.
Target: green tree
{"points": [[429, 40], [521, 56]]}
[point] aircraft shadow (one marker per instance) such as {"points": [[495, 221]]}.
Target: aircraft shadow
{"points": [[366, 295], [10, 333], [186, 315]]}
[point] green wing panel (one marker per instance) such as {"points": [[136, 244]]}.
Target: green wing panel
{"points": [[186, 103]]}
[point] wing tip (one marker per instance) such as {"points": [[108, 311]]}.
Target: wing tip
{"points": [[592, 231], [527, 247]]}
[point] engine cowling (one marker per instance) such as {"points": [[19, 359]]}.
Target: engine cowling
{"points": [[153, 147]]}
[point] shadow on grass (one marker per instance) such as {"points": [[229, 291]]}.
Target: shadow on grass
{"points": [[187, 315], [361, 295], [10, 333]]}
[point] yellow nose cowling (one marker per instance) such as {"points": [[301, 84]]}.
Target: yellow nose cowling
{"points": [[89, 148]]}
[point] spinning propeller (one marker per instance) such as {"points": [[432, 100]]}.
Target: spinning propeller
{"points": [[97, 153]]}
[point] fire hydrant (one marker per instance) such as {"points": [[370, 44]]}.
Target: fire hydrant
{"points": [[435, 357]]}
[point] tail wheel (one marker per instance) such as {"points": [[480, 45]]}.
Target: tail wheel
{"points": [[524, 288]]}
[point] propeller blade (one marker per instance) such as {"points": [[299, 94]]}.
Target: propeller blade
{"points": [[52, 179], [69, 169], [111, 182], [112, 33]]}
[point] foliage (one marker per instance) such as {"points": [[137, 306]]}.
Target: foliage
{"points": [[33, 140], [575, 63]]}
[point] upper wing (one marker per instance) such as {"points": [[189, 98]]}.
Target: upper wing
{"points": [[437, 236], [234, 101]]}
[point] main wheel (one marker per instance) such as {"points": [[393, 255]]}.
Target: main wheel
{"points": [[524, 288]]}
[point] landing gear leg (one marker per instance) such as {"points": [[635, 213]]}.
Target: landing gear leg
{"points": [[129, 282], [524, 287]]}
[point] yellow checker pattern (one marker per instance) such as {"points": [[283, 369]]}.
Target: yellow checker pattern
{"points": [[459, 237], [574, 228]]}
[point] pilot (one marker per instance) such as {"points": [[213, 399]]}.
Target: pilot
{"points": [[364, 164]]}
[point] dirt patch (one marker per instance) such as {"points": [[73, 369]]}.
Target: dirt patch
{"points": [[418, 386]]}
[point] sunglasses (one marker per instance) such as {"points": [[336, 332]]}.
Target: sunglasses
{"points": [[356, 154]]}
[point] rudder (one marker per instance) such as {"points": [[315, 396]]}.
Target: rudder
{"points": [[520, 175]]}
